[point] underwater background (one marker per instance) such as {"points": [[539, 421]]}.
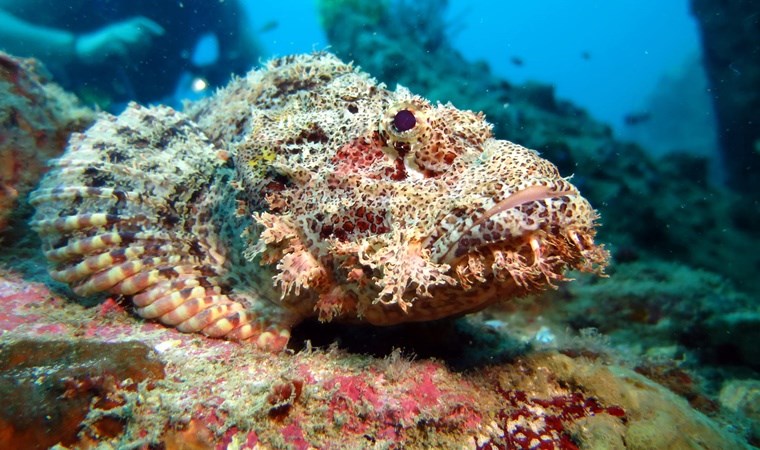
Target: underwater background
{"points": [[608, 58], [652, 107]]}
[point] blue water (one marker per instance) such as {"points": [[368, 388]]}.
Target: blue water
{"points": [[629, 45]]}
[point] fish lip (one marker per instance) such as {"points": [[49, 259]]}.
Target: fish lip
{"points": [[536, 192]]}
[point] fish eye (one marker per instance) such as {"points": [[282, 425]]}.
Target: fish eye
{"points": [[404, 120]]}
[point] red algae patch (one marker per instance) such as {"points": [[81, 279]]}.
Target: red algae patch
{"points": [[540, 423]]}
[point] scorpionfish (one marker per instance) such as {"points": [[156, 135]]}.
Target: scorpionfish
{"points": [[307, 189]]}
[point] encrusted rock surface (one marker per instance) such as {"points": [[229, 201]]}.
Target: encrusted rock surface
{"points": [[36, 119], [216, 393]]}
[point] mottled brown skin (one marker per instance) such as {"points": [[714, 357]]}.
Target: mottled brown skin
{"points": [[304, 189]]}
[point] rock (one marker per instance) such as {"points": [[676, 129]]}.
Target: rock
{"points": [[734, 336], [36, 119], [730, 33], [743, 398], [49, 388]]}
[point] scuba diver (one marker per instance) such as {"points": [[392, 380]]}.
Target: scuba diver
{"points": [[112, 51]]}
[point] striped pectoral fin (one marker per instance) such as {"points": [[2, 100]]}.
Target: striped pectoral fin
{"points": [[167, 282], [172, 279], [132, 209], [198, 307]]}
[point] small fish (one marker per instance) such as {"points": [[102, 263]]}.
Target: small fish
{"points": [[633, 119], [269, 26], [586, 55], [516, 60]]}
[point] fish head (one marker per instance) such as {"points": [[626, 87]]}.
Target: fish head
{"points": [[383, 206]]}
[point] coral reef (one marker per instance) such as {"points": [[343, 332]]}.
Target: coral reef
{"points": [[307, 189], [687, 329], [648, 305], [730, 33], [36, 119], [743, 398], [327, 398]]}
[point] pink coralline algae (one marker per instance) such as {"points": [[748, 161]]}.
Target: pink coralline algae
{"points": [[202, 393]]}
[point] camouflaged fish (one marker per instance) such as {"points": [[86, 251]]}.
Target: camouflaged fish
{"points": [[307, 189]]}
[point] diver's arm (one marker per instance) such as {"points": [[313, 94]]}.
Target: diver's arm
{"points": [[116, 41], [22, 38]]}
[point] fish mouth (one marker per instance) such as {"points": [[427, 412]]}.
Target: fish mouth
{"points": [[516, 243], [449, 252]]}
